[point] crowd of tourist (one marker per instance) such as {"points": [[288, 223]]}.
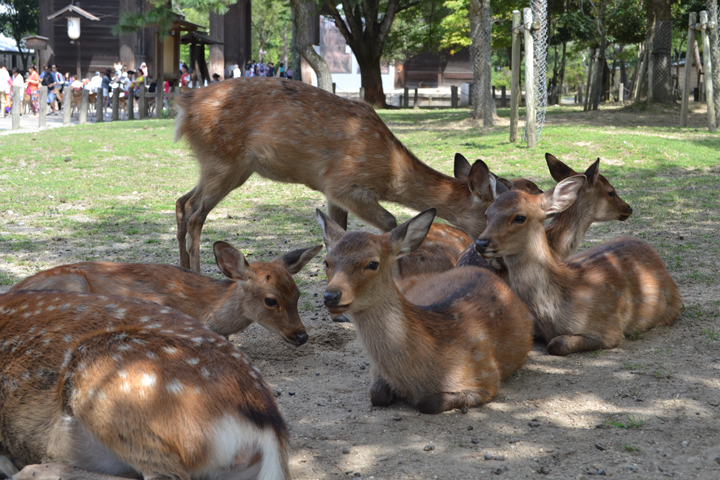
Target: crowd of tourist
{"points": [[128, 81]]}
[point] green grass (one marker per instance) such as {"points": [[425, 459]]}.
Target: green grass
{"points": [[629, 448], [115, 198], [711, 334], [631, 423]]}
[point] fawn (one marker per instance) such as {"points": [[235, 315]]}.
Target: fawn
{"points": [[444, 244], [451, 354], [596, 297], [262, 292], [340, 148], [120, 386], [597, 201]]}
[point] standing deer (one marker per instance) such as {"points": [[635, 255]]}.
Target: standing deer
{"points": [[262, 292], [448, 355], [592, 300], [109, 386], [292, 132]]}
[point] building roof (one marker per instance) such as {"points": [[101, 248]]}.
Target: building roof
{"points": [[7, 45], [72, 11]]}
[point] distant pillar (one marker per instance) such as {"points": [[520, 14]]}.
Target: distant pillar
{"points": [[237, 34], [217, 52], [126, 43]]}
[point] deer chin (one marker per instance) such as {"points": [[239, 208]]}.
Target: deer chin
{"points": [[624, 217], [338, 310]]}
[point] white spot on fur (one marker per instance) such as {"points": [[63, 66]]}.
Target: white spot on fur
{"points": [[67, 338], [193, 361], [151, 355], [148, 380], [124, 347], [144, 319], [175, 387], [170, 350], [204, 372]]}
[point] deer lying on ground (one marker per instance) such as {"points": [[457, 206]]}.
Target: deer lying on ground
{"points": [[113, 386], [332, 145], [262, 292], [597, 201], [444, 244], [448, 355], [592, 300]]}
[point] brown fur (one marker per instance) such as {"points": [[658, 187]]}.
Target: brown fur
{"points": [[447, 355], [118, 386], [291, 132], [597, 202], [226, 306], [592, 300]]}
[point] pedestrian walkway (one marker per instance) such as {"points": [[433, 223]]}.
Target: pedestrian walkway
{"points": [[29, 124]]}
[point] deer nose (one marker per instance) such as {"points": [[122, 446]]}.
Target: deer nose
{"points": [[481, 245], [301, 338], [630, 210], [332, 299]]}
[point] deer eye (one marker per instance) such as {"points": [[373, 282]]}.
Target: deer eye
{"points": [[519, 219], [271, 302], [372, 266], [612, 194]]}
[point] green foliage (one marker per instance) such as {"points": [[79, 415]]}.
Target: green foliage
{"points": [[456, 26], [417, 30], [18, 19], [632, 422], [161, 14], [271, 28]]}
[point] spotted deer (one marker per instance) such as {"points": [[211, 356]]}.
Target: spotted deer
{"points": [[262, 292], [338, 147], [448, 355], [594, 298], [106, 386]]}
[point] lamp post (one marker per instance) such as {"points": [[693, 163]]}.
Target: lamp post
{"points": [[74, 14]]}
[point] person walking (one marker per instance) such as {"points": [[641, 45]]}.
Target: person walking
{"points": [[261, 68], [32, 89], [185, 79], [47, 79], [281, 70], [106, 81], [236, 71], [5, 87], [271, 70]]}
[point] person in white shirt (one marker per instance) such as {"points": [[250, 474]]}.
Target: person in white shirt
{"points": [[95, 83], [236, 71], [4, 88]]}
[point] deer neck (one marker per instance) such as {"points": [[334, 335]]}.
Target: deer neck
{"points": [[567, 230], [227, 315], [538, 277], [420, 186]]}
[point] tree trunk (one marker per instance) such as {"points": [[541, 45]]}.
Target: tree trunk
{"points": [[371, 78], [600, 70], [483, 103], [660, 13], [306, 49], [296, 66], [562, 74]]}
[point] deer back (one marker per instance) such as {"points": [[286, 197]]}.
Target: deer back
{"points": [[119, 385]]}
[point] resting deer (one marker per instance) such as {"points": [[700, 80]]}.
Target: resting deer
{"points": [[109, 386], [444, 244], [451, 354], [332, 145], [592, 300], [262, 292], [597, 201]]}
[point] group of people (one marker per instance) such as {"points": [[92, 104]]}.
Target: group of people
{"points": [[30, 84], [261, 69]]}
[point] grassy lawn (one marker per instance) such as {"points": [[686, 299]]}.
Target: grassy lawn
{"points": [[108, 192]]}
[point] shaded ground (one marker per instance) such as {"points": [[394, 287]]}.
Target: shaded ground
{"points": [[646, 410]]}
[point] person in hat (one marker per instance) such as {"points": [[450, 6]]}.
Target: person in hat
{"points": [[215, 77]]}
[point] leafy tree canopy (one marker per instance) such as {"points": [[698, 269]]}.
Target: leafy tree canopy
{"points": [[18, 19], [162, 13]]}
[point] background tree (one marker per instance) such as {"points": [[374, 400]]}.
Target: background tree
{"points": [[271, 24], [162, 13], [365, 24], [18, 19], [301, 35]]}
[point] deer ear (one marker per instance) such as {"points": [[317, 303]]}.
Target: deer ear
{"points": [[592, 173], [294, 261], [505, 182], [479, 181], [231, 261], [499, 185], [331, 231], [462, 167], [407, 237], [558, 170], [562, 195]]}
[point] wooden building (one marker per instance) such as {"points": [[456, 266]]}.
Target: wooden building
{"points": [[432, 70], [99, 48]]}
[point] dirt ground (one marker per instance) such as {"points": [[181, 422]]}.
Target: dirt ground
{"points": [[646, 410]]}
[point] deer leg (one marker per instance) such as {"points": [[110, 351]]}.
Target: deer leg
{"points": [[444, 401], [338, 214], [366, 207], [567, 344], [181, 216], [381, 394], [211, 189]]}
